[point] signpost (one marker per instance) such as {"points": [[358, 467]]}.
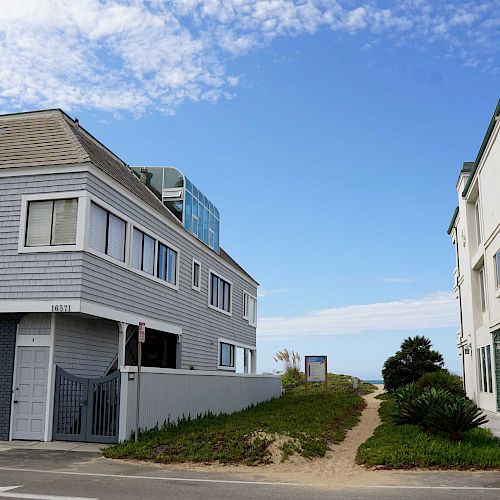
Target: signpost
{"points": [[316, 368], [141, 338]]}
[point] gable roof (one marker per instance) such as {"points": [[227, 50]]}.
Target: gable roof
{"points": [[51, 137]]}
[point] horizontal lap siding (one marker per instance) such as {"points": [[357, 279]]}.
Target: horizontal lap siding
{"points": [[85, 347], [35, 276], [111, 285]]}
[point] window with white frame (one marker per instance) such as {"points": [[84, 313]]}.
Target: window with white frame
{"points": [[496, 259], [51, 222], [477, 216], [219, 293], [167, 264], [143, 251], [107, 232], [196, 275], [250, 308], [226, 355], [482, 290], [484, 369]]}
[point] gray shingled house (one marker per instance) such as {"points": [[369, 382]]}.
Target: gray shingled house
{"points": [[89, 249]]}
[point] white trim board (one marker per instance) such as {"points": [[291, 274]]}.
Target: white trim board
{"points": [[90, 308], [94, 309]]}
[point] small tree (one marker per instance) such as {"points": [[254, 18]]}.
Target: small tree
{"points": [[409, 364]]}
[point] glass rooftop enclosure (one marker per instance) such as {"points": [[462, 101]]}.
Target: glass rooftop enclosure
{"points": [[196, 212]]}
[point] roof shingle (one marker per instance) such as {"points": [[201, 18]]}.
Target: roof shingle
{"points": [[51, 137]]}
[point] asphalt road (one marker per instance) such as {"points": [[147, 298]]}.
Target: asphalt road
{"points": [[55, 475]]}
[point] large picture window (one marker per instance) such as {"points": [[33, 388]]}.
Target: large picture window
{"points": [[143, 251], [107, 232], [220, 293], [51, 222], [167, 264]]}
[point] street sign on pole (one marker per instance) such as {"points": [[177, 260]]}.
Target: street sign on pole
{"points": [[141, 338], [142, 333]]}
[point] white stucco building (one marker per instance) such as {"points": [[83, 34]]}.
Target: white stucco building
{"points": [[475, 232]]}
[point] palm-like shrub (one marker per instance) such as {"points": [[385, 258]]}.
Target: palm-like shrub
{"points": [[455, 417], [442, 379], [414, 406]]}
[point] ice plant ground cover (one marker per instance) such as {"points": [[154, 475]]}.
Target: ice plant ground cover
{"points": [[408, 446], [300, 422]]}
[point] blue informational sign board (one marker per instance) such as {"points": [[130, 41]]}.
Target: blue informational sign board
{"points": [[316, 368]]}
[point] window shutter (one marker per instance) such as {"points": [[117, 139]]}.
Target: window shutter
{"points": [[136, 248], [64, 222], [116, 238], [148, 255], [39, 223], [97, 228]]}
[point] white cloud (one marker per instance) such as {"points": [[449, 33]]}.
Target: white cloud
{"points": [[138, 55], [436, 310]]}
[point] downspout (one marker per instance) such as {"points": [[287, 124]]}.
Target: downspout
{"points": [[460, 307]]}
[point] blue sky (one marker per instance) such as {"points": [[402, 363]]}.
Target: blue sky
{"points": [[329, 134]]}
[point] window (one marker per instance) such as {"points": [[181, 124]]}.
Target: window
{"points": [[51, 222], [250, 308], [196, 275], [107, 232], [143, 251], [226, 355], [479, 370], [220, 293], [482, 290], [478, 223], [488, 369], [167, 264], [496, 258]]}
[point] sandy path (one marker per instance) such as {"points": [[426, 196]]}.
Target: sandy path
{"points": [[337, 467]]}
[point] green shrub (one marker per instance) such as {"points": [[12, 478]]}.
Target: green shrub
{"points": [[442, 379], [414, 407], [455, 416], [414, 359]]}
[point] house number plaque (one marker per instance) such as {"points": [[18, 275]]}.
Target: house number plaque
{"points": [[61, 308]]}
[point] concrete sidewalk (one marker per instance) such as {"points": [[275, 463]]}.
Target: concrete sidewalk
{"points": [[53, 446], [493, 422]]}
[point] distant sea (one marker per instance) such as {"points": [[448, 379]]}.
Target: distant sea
{"points": [[374, 381]]}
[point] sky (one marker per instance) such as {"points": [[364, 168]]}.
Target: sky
{"points": [[329, 133]]}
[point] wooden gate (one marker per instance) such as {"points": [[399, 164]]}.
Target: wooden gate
{"points": [[86, 409]]}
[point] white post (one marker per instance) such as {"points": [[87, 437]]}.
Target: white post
{"points": [[122, 339], [245, 360], [254, 361]]}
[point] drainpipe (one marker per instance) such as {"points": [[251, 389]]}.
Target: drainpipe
{"points": [[460, 307]]}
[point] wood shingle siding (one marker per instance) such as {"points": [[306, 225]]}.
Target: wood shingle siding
{"points": [[52, 139]]}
